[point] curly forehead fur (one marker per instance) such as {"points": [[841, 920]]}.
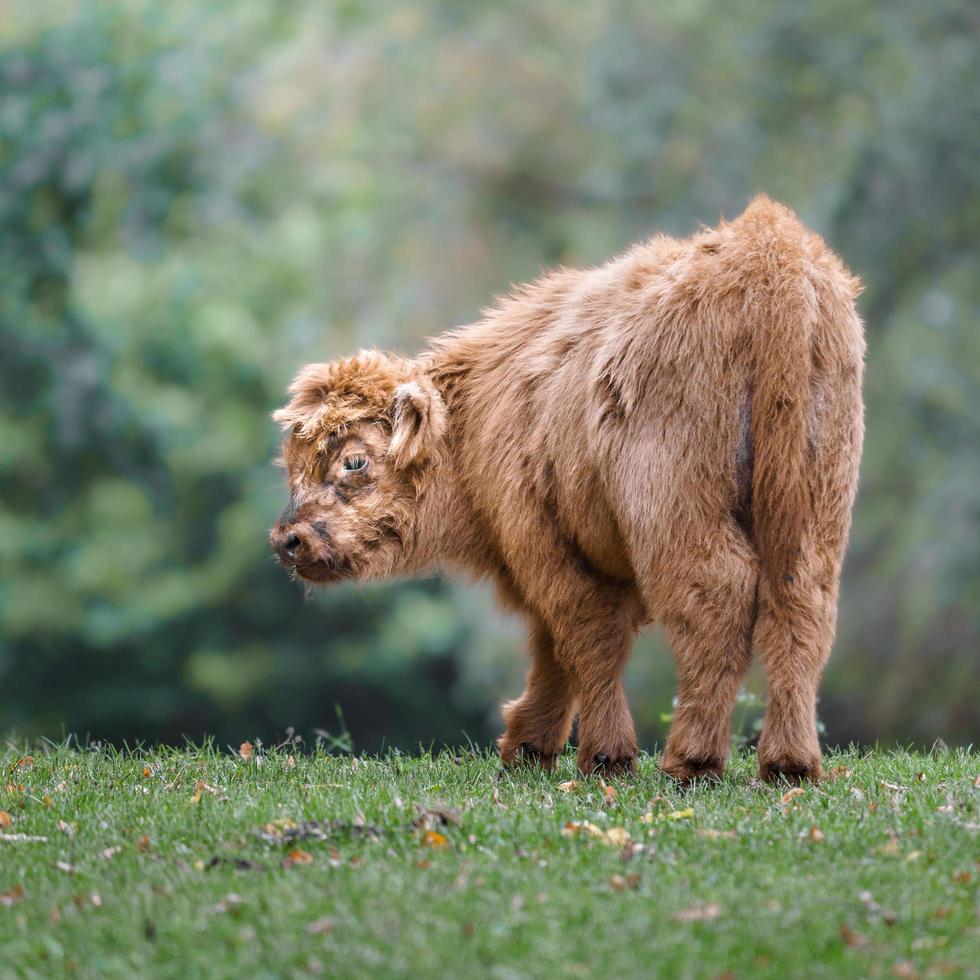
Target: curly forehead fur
{"points": [[328, 398]]}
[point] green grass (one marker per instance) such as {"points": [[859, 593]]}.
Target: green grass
{"points": [[125, 882]]}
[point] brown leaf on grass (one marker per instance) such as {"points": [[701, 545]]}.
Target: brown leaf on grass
{"points": [[246, 751], [620, 883], [69, 869], [609, 794], [239, 863], [963, 877], [904, 968], [432, 838], [617, 836], [295, 857], [200, 788], [816, 835], [285, 830], [435, 815], [68, 829], [320, 926], [840, 772], [711, 834], [790, 795], [894, 787], [852, 938], [147, 772], [15, 894], [6, 820], [144, 845], [976, 781], [572, 784], [921, 777], [698, 913], [47, 801], [82, 902], [25, 762]]}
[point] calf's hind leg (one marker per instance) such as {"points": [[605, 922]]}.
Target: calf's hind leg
{"points": [[539, 722], [709, 623], [793, 635]]}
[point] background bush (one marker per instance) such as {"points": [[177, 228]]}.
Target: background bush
{"points": [[197, 197]]}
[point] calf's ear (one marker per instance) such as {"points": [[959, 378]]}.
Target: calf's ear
{"points": [[418, 422]]}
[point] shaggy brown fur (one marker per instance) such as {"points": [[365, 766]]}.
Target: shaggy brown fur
{"points": [[671, 437]]}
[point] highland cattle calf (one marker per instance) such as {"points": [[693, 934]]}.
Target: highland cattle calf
{"points": [[673, 437]]}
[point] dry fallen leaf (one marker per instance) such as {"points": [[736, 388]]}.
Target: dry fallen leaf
{"points": [[699, 913], [681, 814], [903, 968], [6, 820], [791, 794], [290, 762], [617, 836], [619, 883], [432, 838], [816, 834], [297, 857], [245, 750], [713, 834], [572, 784], [320, 926], [840, 772], [67, 828], [47, 801], [609, 793], [14, 895], [200, 788], [852, 938], [110, 852], [894, 787], [144, 844], [25, 762], [976, 782]]}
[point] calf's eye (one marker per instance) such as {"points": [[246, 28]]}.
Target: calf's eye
{"points": [[354, 464]]}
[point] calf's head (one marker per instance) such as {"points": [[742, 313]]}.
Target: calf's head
{"points": [[360, 435]]}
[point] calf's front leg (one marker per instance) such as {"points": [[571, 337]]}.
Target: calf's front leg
{"points": [[539, 722]]}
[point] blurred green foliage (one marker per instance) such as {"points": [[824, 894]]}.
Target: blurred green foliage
{"points": [[196, 198]]}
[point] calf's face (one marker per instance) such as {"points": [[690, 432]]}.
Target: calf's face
{"points": [[360, 436]]}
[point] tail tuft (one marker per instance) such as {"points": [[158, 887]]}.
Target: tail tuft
{"points": [[780, 306]]}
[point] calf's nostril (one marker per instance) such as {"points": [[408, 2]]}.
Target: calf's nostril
{"points": [[292, 545]]}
